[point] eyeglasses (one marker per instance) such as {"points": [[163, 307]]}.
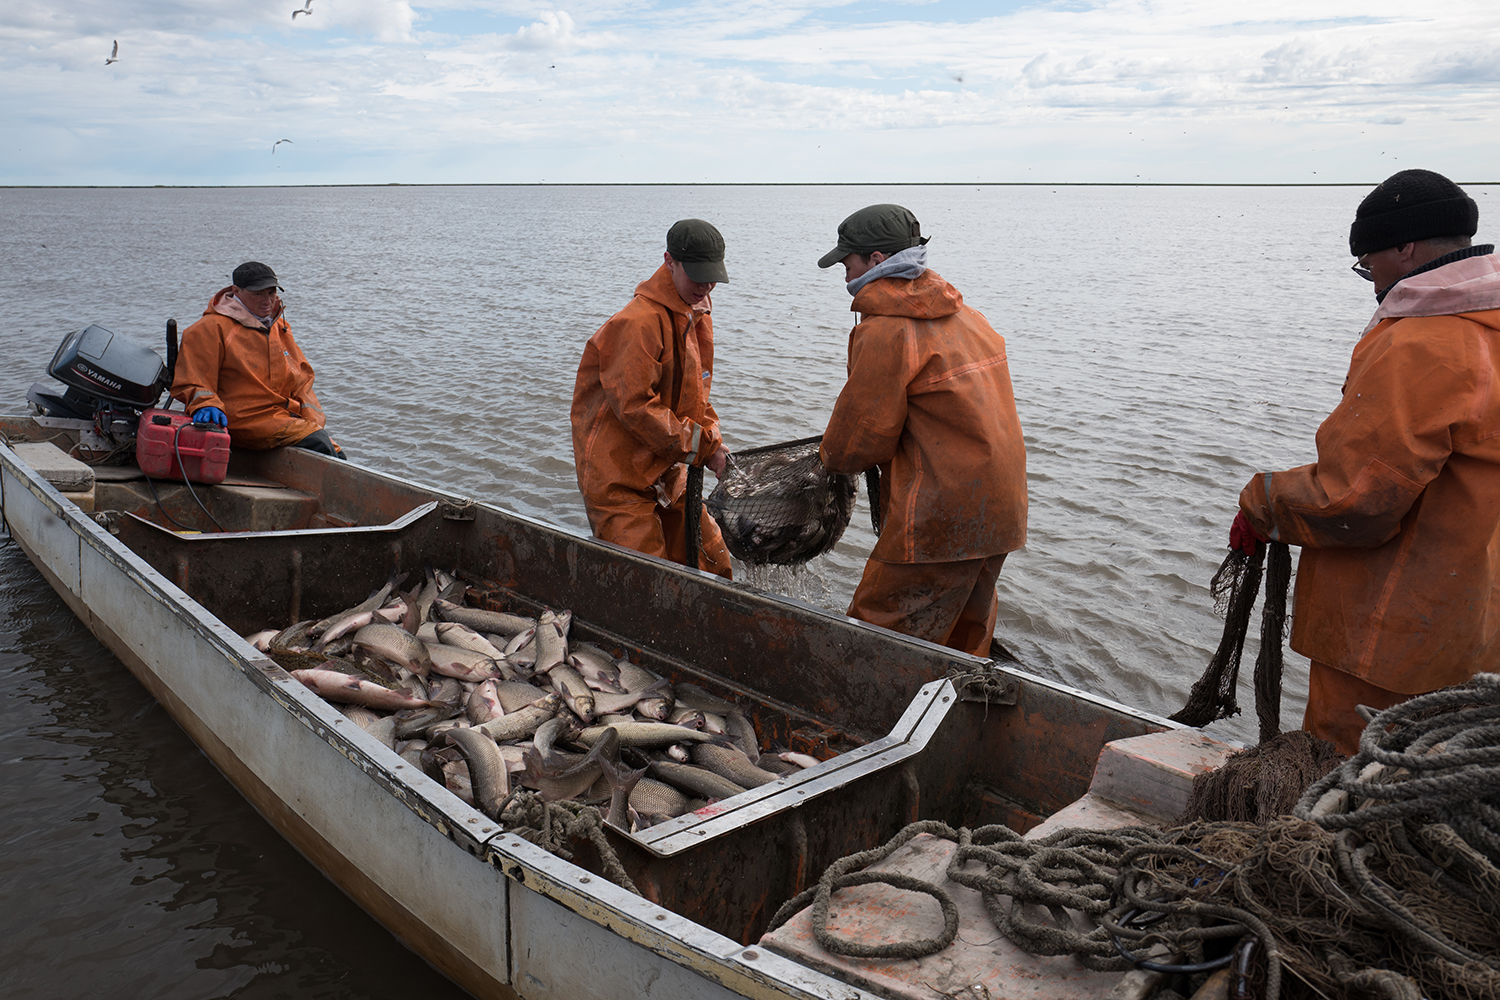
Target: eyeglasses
{"points": [[1362, 269]]}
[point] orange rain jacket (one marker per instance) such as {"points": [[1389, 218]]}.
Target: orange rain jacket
{"points": [[929, 401], [640, 402], [1399, 518], [258, 377]]}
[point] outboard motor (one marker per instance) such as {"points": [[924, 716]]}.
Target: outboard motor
{"points": [[109, 381]]}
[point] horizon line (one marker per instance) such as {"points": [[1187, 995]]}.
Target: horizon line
{"points": [[1224, 184]]}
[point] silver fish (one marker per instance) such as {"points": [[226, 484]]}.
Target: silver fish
{"points": [[729, 762], [688, 718], [655, 798], [395, 644], [456, 779], [547, 736], [647, 734], [458, 634], [576, 693], [551, 647], [743, 734], [597, 669], [481, 620], [465, 664], [634, 677], [522, 723], [350, 622], [262, 640], [516, 695], [361, 716], [800, 759], [576, 779], [484, 703], [293, 637], [609, 704], [340, 687], [519, 642], [488, 774], [698, 780], [694, 696]]}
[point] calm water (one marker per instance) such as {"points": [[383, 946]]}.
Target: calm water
{"points": [[1165, 343]]}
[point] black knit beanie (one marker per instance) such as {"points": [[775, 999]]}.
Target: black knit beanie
{"points": [[1408, 206]]}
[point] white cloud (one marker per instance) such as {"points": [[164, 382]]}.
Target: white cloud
{"points": [[436, 90], [553, 32]]}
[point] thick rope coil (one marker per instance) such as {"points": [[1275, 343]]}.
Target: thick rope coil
{"points": [[846, 872]]}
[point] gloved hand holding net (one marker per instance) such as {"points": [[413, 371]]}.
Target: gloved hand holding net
{"points": [[778, 504]]}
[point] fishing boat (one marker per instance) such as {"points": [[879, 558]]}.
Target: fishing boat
{"points": [[170, 576]]}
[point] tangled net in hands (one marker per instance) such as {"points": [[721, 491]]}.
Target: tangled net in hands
{"points": [[777, 505]]}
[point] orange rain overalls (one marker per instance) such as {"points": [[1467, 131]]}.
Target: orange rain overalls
{"points": [[929, 401], [1399, 518], [258, 377], [640, 411]]}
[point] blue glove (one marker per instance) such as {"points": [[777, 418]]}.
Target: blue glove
{"points": [[211, 415]]}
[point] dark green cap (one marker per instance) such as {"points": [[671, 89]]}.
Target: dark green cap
{"points": [[699, 248], [887, 228]]}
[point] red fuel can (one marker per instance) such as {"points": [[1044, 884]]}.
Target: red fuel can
{"points": [[164, 435]]}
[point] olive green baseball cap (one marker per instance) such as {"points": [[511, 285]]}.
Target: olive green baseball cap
{"points": [[699, 248], [887, 228]]}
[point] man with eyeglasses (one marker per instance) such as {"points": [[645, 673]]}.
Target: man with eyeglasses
{"points": [[240, 368], [1398, 586]]}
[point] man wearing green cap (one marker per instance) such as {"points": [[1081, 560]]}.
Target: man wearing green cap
{"points": [[1398, 585], [641, 413], [928, 403]]}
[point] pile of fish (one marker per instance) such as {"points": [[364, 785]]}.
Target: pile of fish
{"points": [[485, 701]]}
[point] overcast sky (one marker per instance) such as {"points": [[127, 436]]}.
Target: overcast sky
{"points": [[454, 91]]}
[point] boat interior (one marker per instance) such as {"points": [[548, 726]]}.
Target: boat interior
{"points": [[907, 730]]}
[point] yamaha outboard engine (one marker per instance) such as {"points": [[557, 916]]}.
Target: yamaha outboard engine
{"points": [[109, 382]]}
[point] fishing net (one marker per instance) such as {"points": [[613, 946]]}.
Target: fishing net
{"points": [[1259, 783], [777, 505], [1234, 588]]}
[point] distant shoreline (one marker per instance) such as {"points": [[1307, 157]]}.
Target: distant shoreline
{"points": [[1197, 184]]}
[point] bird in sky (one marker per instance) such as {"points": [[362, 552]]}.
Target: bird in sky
{"points": [[114, 54], [306, 8], [277, 143]]}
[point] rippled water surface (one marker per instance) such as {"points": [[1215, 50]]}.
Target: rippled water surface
{"points": [[1164, 344]]}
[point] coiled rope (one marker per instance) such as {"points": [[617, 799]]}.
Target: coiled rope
{"points": [[1383, 884]]}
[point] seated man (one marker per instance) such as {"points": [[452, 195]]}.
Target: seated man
{"points": [[240, 368]]}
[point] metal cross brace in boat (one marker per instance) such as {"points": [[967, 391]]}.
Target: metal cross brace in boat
{"points": [[908, 738]]}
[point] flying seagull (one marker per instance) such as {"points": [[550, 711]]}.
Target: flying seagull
{"points": [[277, 143], [114, 53], [306, 8]]}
